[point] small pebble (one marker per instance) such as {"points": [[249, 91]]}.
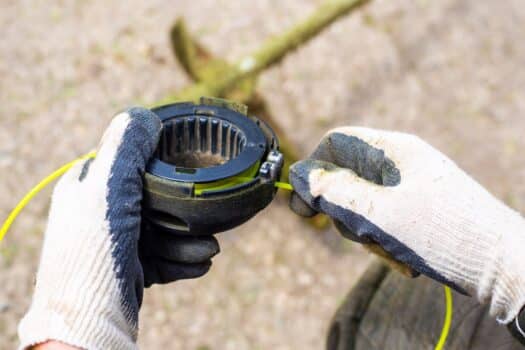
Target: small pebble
{"points": [[4, 307]]}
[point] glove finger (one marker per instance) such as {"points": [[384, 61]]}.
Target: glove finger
{"points": [[351, 152], [391, 261], [300, 207], [125, 148], [376, 249], [349, 234], [177, 248], [160, 271]]}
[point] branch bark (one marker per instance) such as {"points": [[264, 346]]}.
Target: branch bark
{"points": [[271, 52]]}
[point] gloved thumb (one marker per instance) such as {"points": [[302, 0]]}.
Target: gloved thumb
{"points": [[338, 192], [344, 196], [317, 180]]}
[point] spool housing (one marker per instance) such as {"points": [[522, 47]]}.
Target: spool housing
{"points": [[214, 168]]}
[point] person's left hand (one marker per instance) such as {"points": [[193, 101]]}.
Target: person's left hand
{"points": [[95, 260]]}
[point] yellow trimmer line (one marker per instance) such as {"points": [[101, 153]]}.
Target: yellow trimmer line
{"points": [[283, 185]]}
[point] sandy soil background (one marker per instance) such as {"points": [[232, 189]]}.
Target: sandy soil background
{"points": [[450, 71]]}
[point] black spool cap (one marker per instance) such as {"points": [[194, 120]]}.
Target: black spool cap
{"points": [[206, 145]]}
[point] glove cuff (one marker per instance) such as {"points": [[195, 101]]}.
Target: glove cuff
{"points": [[42, 324], [77, 298]]}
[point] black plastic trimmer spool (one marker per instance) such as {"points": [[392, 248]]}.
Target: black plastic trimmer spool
{"points": [[214, 168]]}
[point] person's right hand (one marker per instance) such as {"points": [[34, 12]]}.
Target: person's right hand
{"points": [[398, 193]]}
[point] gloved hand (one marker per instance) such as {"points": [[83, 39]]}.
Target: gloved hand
{"points": [[396, 191], [93, 267]]}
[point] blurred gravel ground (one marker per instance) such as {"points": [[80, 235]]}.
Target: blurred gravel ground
{"points": [[450, 71]]}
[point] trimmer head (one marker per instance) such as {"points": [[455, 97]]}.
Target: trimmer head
{"points": [[214, 168]]}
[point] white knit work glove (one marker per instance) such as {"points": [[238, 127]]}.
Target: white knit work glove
{"points": [[396, 191], [93, 266]]}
